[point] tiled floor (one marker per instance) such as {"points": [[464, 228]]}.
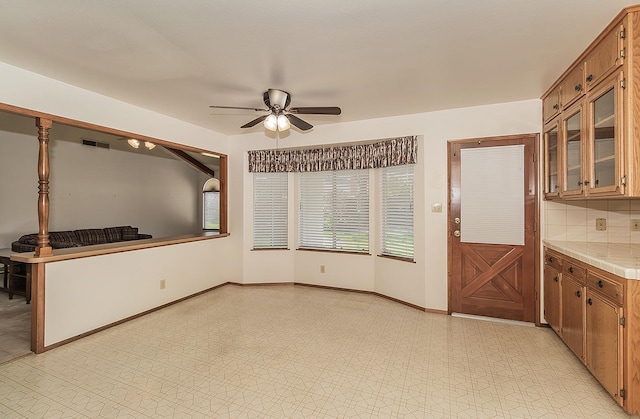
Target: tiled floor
{"points": [[285, 351], [15, 327]]}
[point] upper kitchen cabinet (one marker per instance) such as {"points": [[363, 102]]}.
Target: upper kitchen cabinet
{"points": [[597, 121]]}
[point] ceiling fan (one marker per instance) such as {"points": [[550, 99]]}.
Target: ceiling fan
{"points": [[281, 116]]}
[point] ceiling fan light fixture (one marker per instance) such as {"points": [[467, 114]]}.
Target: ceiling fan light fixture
{"points": [[134, 143], [283, 123], [271, 122], [149, 145]]}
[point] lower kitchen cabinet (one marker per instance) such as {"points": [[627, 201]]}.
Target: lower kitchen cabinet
{"points": [[604, 342], [573, 308], [597, 315]]}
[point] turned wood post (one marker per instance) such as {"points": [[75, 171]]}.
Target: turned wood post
{"points": [[44, 248]]}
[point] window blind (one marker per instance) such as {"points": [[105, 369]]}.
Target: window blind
{"points": [[334, 210], [397, 211], [211, 210], [270, 210]]}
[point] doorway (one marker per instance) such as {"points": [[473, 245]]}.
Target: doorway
{"points": [[493, 244]]}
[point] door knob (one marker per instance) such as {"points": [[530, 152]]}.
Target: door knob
{"points": [[456, 220], [456, 233]]}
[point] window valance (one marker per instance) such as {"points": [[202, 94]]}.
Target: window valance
{"points": [[389, 152]]}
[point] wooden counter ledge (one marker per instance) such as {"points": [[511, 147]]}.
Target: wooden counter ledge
{"points": [[105, 249]]}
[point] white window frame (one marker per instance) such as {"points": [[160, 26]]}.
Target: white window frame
{"points": [[397, 233], [270, 210], [334, 211]]}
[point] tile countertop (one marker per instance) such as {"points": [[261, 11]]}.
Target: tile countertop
{"points": [[617, 258]]}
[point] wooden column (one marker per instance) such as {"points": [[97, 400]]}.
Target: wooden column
{"points": [[44, 248], [37, 307]]}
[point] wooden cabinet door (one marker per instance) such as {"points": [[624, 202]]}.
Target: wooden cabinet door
{"points": [[604, 149], [572, 152], [604, 342], [572, 86], [551, 104], [551, 160], [552, 297], [573, 308], [608, 54]]}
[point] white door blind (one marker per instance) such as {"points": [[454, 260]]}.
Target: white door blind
{"points": [[270, 210], [334, 210], [397, 210], [492, 195]]}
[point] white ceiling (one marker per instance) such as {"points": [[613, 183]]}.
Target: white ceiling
{"points": [[373, 58]]}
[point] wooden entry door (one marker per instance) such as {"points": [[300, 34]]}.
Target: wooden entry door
{"points": [[493, 239]]}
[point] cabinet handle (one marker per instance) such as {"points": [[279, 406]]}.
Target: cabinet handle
{"points": [[579, 183], [550, 260], [599, 284], [589, 78], [570, 269], [578, 294], [556, 107], [597, 181], [578, 87], [590, 301], [555, 279]]}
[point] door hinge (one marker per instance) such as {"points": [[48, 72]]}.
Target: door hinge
{"points": [[623, 33], [623, 393], [623, 83], [622, 321], [623, 181], [535, 226], [534, 157], [623, 52]]}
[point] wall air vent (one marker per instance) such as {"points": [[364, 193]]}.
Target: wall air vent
{"points": [[94, 143]]}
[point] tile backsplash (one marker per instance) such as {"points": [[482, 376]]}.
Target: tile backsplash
{"points": [[576, 220]]}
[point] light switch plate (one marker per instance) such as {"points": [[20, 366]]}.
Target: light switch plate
{"points": [[601, 224], [436, 207]]}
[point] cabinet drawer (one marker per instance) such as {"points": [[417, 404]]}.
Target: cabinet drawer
{"points": [[572, 86], [607, 55], [576, 271], [551, 104], [608, 287], [553, 260]]}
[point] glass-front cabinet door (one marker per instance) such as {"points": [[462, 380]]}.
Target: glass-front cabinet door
{"points": [[605, 139], [551, 160], [573, 148]]}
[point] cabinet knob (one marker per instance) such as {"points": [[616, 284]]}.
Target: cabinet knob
{"points": [[556, 107], [579, 183], [590, 301], [555, 279], [590, 78], [578, 294], [550, 260], [570, 269], [600, 284], [578, 87]]}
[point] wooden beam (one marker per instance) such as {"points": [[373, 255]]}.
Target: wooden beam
{"points": [[193, 162]]}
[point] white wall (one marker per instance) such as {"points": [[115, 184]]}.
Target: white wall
{"points": [[85, 294], [423, 283], [94, 187]]}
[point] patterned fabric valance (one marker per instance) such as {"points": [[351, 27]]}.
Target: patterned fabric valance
{"points": [[391, 152]]}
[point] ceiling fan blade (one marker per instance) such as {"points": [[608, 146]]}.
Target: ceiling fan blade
{"points": [[299, 123], [319, 110], [239, 107], [254, 122]]}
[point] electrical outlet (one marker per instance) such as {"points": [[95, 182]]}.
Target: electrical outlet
{"points": [[321, 269], [601, 224], [163, 284], [635, 225]]}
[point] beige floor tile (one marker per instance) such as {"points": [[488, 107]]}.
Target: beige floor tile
{"points": [[275, 352]]}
